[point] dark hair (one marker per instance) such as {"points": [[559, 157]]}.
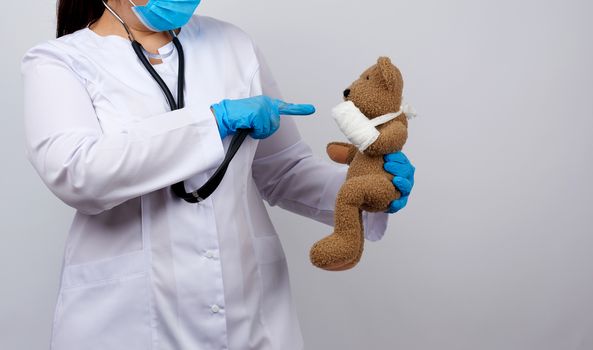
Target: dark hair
{"points": [[77, 14]]}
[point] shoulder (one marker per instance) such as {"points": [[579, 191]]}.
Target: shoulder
{"points": [[223, 35], [216, 28], [63, 51]]}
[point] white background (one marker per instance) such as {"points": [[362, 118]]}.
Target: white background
{"points": [[494, 251]]}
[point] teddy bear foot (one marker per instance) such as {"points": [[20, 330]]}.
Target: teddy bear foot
{"points": [[337, 252]]}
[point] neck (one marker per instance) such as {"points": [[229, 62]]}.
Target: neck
{"points": [[107, 24]]}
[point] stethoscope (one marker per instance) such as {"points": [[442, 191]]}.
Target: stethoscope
{"points": [[178, 189]]}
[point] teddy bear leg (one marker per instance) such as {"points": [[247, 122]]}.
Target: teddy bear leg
{"points": [[344, 246], [343, 249], [379, 194], [354, 262]]}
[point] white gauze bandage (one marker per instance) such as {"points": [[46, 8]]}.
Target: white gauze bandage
{"points": [[360, 130]]}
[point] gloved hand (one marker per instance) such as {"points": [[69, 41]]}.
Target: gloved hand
{"points": [[398, 165], [260, 113]]}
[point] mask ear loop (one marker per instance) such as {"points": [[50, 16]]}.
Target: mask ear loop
{"points": [[405, 109]]}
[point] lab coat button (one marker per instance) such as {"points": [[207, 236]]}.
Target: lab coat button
{"points": [[210, 254], [215, 309]]}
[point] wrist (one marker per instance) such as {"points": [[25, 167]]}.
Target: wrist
{"points": [[218, 111]]}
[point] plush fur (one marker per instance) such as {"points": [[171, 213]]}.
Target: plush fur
{"points": [[368, 186]]}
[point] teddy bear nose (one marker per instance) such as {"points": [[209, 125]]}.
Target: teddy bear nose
{"points": [[346, 93]]}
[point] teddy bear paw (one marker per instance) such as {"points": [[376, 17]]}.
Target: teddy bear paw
{"points": [[336, 253]]}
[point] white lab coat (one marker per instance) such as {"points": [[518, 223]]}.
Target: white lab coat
{"points": [[143, 269]]}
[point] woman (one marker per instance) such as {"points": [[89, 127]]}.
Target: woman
{"points": [[142, 268]]}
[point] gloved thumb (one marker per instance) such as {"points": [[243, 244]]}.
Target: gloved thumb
{"points": [[285, 108]]}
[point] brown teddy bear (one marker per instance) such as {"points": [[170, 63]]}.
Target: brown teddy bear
{"points": [[374, 120]]}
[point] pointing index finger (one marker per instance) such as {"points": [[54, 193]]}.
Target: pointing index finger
{"points": [[295, 109]]}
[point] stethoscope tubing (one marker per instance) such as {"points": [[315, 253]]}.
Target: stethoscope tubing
{"points": [[215, 180], [139, 52]]}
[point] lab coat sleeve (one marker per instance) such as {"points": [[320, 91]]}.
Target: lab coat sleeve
{"points": [[92, 171], [288, 175]]}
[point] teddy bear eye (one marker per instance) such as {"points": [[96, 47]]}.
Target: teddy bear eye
{"points": [[368, 77]]}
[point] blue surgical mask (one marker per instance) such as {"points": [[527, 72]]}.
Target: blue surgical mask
{"points": [[163, 15]]}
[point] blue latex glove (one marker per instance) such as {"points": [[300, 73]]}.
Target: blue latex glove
{"points": [[398, 165], [260, 113]]}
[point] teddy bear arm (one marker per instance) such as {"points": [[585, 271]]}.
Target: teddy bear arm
{"points": [[341, 152], [391, 139]]}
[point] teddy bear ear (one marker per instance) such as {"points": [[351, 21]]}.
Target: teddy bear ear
{"points": [[389, 72]]}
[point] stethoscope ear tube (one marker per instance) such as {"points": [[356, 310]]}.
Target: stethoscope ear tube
{"points": [[181, 73], [212, 184], [138, 49]]}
